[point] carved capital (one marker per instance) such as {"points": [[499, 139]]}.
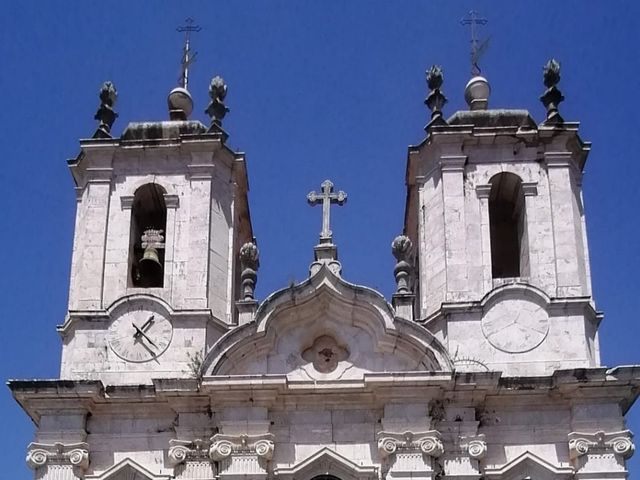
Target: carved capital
{"points": [[182, 450], [429, 443], [619, 443], [74, 454], [224, 446], [475, 446]]}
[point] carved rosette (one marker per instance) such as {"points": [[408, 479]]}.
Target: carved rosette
{"points": [[601, 442], [73, 455], [475, 446], [182, 450], [429, 443], [225, 446]]}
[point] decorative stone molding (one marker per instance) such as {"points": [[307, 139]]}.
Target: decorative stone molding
{"points": [[74, 455], [171, 201], [530, 189], [429, 443], [618, 442], [223, 446], [182, 450], [126, 202], [483, 191], [475, 446]]}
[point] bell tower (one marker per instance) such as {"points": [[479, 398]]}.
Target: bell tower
{"points": [[495, 207], [162, 214]]}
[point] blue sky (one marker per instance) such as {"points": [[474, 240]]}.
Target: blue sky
{"points": [[325, 89]]}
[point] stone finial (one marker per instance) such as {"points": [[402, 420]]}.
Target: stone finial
{"points": [[436, 99], [476, 93], [249, 263], [552, 97], [105, 114], [217, 109], [402, 248]]}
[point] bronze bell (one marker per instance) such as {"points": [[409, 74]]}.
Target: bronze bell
{"points": [[150, 267]]}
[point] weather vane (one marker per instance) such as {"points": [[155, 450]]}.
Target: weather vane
{"points": [[187, 57], [477, 47]]}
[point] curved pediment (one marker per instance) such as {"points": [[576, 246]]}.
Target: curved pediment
{"points": [[326, 328]]}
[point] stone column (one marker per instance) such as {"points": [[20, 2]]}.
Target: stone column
{"points": [[58, 461], [242, 456], [410, 454], [600, 455]]}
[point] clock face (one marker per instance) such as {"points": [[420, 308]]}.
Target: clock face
{"points": [[139, 335], [515, 326]]}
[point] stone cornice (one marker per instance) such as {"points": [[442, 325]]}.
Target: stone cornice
{"points": [[429, 443], [224, 446], [616, 385], [73, 454], [619, 443]]}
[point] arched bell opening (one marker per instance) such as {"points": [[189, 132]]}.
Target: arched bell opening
{"points": [[148, 225], [508, 227]]}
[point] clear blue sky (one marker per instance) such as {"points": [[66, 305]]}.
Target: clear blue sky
{"points": [[325, 89]]}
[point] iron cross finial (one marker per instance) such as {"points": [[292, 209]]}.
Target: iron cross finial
{"points": [[477, 47], [187, 57], [326, 198]]}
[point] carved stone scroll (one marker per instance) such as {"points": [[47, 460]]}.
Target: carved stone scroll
{"points": [[599, 442], [242, 454], [75, 454], [475, 446], [429, 443]]}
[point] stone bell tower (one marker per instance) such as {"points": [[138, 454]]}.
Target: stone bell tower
{"points": [[162, 214], [495, 207]]}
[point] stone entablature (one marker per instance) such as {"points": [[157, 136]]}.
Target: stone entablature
{"points": [[439, 434]]}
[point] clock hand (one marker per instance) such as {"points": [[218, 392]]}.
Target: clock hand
{"points": [[147, 324], [144, 327], [140, 333]]}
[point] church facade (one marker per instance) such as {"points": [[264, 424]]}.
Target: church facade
{"points": [[484, 364]]}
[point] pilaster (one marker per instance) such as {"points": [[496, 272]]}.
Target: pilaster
{"points": [[58, 461], [410, 454], [242, 456], [565, 237], [600, 455], [452, 167], [191, 459]]}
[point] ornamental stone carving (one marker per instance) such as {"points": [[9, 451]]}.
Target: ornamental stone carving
{"points": [[224, 446], [73, 455], [600, 442], [182, 450], [429, 443], [475, 446]]}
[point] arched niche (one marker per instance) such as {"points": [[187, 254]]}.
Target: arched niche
{"points": [[508, 227], [146, 244]]}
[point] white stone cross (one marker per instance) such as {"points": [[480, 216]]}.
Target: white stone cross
{"points": [[326, 198]]}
